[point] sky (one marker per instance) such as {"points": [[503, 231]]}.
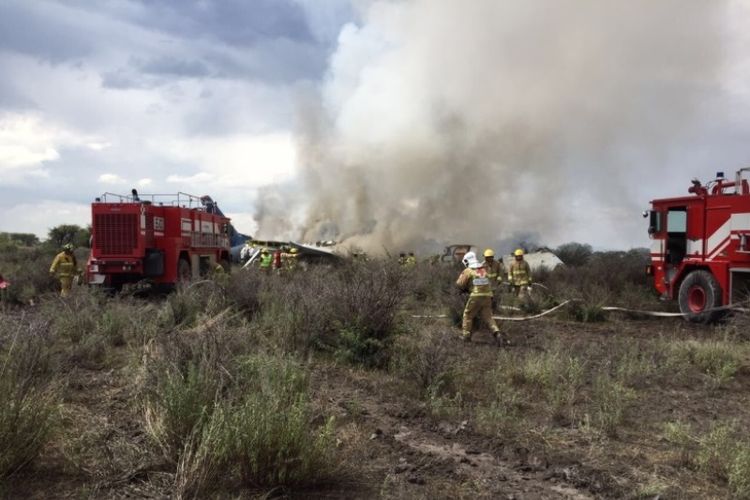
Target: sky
{"points": [[287, 110]]}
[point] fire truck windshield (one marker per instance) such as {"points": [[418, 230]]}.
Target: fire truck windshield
{"points": [[677, 220]]}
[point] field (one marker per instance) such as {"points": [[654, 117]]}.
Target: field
{"points": [[324, 384]]}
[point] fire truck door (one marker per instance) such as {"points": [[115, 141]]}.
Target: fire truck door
{"points": [[676, 240]]}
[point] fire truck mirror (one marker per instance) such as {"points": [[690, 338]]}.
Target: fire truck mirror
{"points": [[654, 222]]}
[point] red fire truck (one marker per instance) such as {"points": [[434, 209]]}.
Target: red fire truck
{"points": [[700, 253], [162, 239]]}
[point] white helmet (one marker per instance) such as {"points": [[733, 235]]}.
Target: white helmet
{"points": [[469, 260]]}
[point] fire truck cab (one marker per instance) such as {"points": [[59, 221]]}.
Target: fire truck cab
{"points": [[700, 252], [163, 239]]}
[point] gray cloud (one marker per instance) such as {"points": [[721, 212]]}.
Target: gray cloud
{"points": [[41, 30]]}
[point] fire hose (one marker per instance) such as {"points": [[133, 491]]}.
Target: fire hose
{"points": [[738, 307]]}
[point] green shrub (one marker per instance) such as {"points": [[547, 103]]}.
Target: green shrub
{"points": [[351, 310], [29, 397], [180, 406], [267, 432], [261, 433], [424, 358]]}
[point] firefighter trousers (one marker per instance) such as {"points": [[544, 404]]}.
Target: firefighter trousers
{"points": [[481, 306], [66, 284]]}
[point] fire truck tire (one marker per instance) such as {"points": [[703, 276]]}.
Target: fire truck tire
{"points": [[184, 273], [700, 292]]}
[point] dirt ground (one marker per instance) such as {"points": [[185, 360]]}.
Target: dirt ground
{"points": [[394, 445]]}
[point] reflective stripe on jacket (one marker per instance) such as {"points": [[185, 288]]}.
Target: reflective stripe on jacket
{"points": [[478, 280], [64, 265]]}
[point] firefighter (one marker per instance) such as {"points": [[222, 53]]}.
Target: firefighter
{"points": [[247, 251], [220, 274], [519, 275], [65, 267], [495, 272], [277, 260], [411, 260], [266, 260], [289, 260], [475, 278]]}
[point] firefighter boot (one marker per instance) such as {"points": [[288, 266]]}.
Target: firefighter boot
{"points": [[500, 339]]}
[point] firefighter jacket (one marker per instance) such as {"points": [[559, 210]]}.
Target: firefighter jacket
{"points": [[266, 259], [519, 273], [64, 265], [495, 271], [410, 261], [477, 280], [289, 261]]}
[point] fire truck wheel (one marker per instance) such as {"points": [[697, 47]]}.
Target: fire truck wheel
{"points": [[699, 293], [184, 273]]}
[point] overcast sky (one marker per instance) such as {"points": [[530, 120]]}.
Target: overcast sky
{"points": [[203, 97], [195, 96]]}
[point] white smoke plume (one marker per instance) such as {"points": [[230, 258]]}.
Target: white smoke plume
{"points": [[477, 121]]}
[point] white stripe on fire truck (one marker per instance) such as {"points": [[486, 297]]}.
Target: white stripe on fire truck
{"points": [[736, 222], [695, 247], [720, 248], [717, 238]]}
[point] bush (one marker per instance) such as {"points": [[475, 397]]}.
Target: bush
{"points": [[214, 411], [29, 397], [607, 278], [424, 358], [267, 433], [351, 310], [27, 270]]}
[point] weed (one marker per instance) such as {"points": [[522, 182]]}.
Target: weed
{"points": [[503, 417], [679, 434], [611, 400], [424, 358], [262, 432], [739, 472], [636, 363], [717, 360], [29, 397], [716, 450]]}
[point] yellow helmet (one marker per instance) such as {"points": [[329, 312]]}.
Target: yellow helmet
{"points": [[265, 250], [489, 253], [293, 250], [518, 253]]}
